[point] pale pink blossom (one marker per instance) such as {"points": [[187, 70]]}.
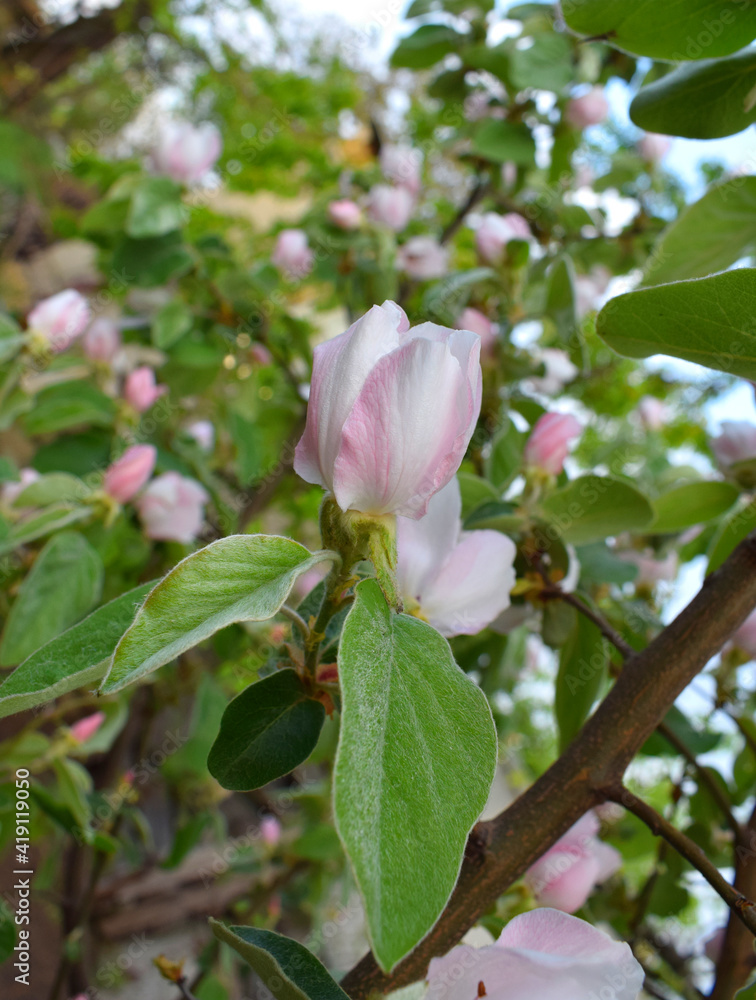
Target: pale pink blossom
{"points": [[559, 371], [423, 258], [102, 340], [125, 478], [588, 109], [292, 254], [391, 206], [745, 637], [495, 231], [590, 288], [541, 955], [402, 165], [270, 830], [391, 412], [736, 442], [172, 508], [652, 413], [140, 389], [85, 728], [650, 570], [11, 490], [475, 320], [549, 441], [567, 873], [203, 433], [260, 354], [345, 214], [457, 580], [654, 147], [58, 320], [185, 152]]}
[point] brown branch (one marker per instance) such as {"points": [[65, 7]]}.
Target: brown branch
{"points": [[643, 693], [739, 904], [737, 959], [482, 187], [598, 620]]}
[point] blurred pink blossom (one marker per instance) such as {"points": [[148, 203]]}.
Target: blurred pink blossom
{"points": [[345, 214], [185, 152], [549, 441], [58, 320], [125, 477], [391, 206], [203, 432], [475, 320], [589, 109], [495, 231], [270, 830], [652, 413], [140, 389], [651, 570], [102, 340], [292, 254], [559, 371], [736, 442], [402, 165], [172, 508], [654, 147], [423, 258], [745, 637]]}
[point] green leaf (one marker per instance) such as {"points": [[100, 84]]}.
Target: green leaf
{"points": [[747, 993], [69, 405], [55, 487], [151, 262], [545, 65], [560, 296], [426, 46], [415, 762], [731, 532], [155, 208], [75, 658], [446, 299], [691, 504], [170, 324], [703, 100], [672, 29], [38, 525], [590, 508], [239, 578], [11, 338], [505, 459], [287, 969], [266, 731], [711, 235], [583, 667], [62, 586], [504, 142], [705, 320]]}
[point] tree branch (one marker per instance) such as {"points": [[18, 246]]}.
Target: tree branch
{"points": [[502, 849], [598, 620], [739, 904], [736, 960]]}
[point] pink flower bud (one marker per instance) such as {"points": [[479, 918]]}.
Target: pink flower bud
{"points": [[654, 147], [140, 390], [60, 319], [391, 206], [541, 955], [125, 478], [745, 637], [270, 830], [402, 165], [345, 214], [102, 341], [10, 490], [423, 258], [590, 109], [172, 508], [391, 412], [85, 728], [549, 441], [652, 413], [457, 580], [566, 874], [475, 320], [736, 443], [559, 371], [203, 432], [495, 231], [292, 254], [185, 152]]}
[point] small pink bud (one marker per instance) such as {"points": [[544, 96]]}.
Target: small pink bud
{"points": [[85, 728], [125, 478], [549, 441], [391, 206], [185, 152], [141, 390], [270, 830], [292, 254], [172, 508], [102, 341], [589, 109], [423, 258], [203, 432], [60, 319], [475, 320], [345, 214], [654, 147], [495, 231], [402, 165]]}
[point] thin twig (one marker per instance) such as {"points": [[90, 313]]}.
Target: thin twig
{"points": [[598, 620], [186, 993], [482, 187], [658, 825], [298, 620]]}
